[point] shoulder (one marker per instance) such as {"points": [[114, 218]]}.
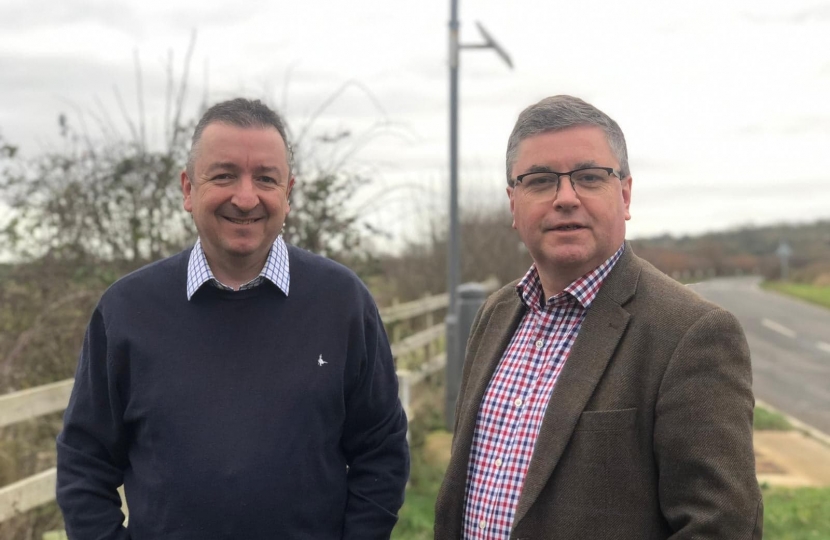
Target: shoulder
{"points": [[168, 276], [663, 307], [658, 289], [305, 264], [317, 275]]}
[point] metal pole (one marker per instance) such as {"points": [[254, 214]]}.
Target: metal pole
{"points": [[455, 338], [453, 254], [453, 344]]}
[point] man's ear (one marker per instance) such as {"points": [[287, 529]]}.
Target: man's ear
{"points": [[510, 196], [626, 194], [288, 194], [187, 187], [290, 187]]}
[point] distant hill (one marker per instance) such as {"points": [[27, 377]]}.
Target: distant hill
{"points": [[743, 250]]}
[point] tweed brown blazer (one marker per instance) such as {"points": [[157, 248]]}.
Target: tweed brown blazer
{"points": [[648, 433]]}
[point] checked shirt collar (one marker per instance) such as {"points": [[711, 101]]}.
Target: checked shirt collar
{"points": [[275, 270], [584, 289]]}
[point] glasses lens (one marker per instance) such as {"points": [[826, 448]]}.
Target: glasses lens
{"points": [[590, 180], [540, 183]]}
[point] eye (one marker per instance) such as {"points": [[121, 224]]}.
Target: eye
{"points": [[590, 176], [222, 176], [267, 180], [540, 180]]}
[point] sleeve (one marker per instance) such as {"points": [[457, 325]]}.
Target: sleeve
{"points": [[374, 440], [703, 435], [91, 455]]}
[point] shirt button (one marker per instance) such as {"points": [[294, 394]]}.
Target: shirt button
{"points": [[518, 402], [498, 462], [539, 343], [482, 524]]}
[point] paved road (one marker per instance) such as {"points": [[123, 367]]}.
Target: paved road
{"points": [[790, 344]]}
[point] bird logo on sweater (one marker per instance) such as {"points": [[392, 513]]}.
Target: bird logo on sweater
{"points": [[320, 361]]}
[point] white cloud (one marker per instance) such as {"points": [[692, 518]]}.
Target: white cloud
{"points": [[705, 91]]}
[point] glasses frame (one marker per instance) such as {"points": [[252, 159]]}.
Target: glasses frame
{"points": [[559, 175]]}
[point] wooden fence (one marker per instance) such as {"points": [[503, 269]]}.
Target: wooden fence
{"points": [[416, 332]]}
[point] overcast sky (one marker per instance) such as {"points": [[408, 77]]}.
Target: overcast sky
{"points": [[725, 104]]}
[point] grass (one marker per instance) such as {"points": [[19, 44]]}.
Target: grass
{"points": [[796, 514], [418, 513], [811, 293], [792, 513], [767, 420], [417, 516]]}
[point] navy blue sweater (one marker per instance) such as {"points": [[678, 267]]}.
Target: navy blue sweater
{"points": [[236, 414]]}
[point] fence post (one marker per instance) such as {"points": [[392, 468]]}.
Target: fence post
{"points": [[471, 296], [429, 350], [405, 394]]}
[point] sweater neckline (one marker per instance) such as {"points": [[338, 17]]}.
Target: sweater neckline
{"points": [[223, 294]]}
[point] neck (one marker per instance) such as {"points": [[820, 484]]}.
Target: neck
{"points": [[236, 275], [553, 285], [554, 280]]}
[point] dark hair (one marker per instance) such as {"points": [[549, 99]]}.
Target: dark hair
{"points": [[239, 112], [561, 112]]}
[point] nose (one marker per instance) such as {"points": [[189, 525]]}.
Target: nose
{"points": [[245, 196], [566, 197]]}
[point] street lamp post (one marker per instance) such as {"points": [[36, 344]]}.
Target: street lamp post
{"points": [[784, 253], [453, 256], [454, 342]]}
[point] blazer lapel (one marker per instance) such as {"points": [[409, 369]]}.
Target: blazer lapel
{"points": [[601, 331], [495, 339]]}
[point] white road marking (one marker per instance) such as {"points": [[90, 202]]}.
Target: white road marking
{"points": [[823, 346], [781, 329]]}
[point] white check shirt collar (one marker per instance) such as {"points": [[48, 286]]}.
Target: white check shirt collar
{"points": [[275, 270]]}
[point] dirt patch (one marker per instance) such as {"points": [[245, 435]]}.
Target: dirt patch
{"points": [[791, 458]]}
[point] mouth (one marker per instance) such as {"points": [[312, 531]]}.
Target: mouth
{"points": [[241, 221], [567, 227]]}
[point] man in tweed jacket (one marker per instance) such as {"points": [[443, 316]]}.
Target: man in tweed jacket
{"points": [[600, 399]]}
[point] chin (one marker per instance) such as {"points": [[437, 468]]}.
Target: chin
{"points": [[571, 254], [242, 251]]}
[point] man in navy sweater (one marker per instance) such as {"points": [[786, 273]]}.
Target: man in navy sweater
{"points": [[242, 389]]}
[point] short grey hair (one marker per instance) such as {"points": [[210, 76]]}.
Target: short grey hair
{"points": [[561, 112], [243, 113]]}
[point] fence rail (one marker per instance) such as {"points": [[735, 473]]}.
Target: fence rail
{"points": [[409, 310], [26, 494], [32, 403]]}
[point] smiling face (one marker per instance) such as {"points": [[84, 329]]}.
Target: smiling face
{"points": [[238, 195], [568, 235]]}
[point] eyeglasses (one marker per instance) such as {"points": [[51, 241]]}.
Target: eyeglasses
{"points": [[586, 182]]}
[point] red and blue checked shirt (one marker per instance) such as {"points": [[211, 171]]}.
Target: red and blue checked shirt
{"points": [[517, 397]]}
